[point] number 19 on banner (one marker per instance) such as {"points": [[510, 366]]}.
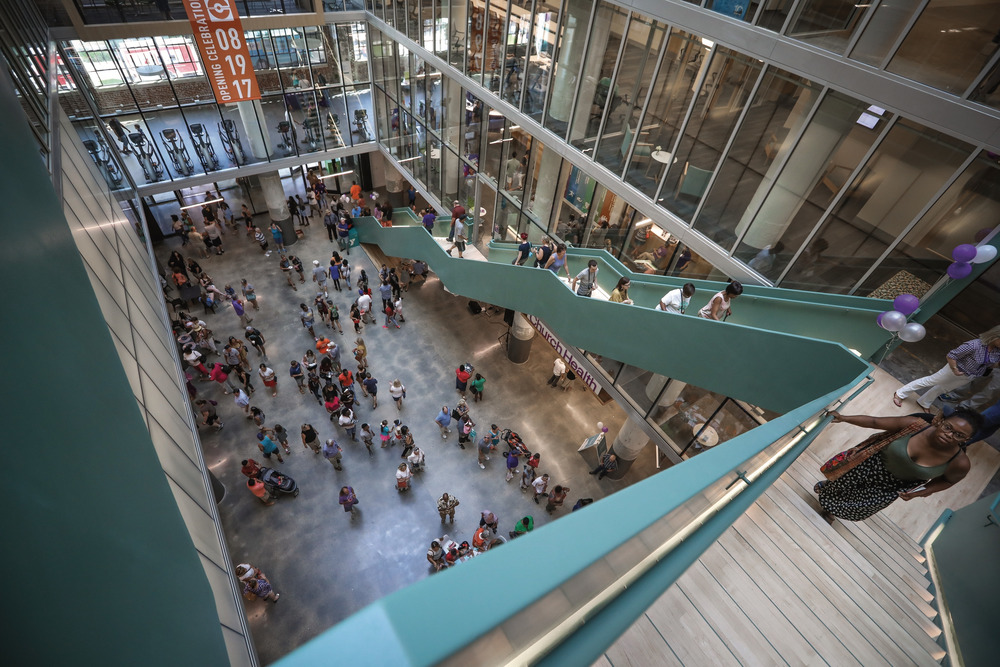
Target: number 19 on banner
{"points": [[219, 34]]}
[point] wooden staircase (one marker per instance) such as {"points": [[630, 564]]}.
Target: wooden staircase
{"points": [[783, 586]]}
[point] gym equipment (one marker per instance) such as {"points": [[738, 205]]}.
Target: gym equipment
{"points": [[152, 168], [361, 122], [177, 151], [311, 127], [203, 147], [288, 140], [101, 155], [229, 135]]}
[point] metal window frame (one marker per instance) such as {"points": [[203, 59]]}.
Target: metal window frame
{"points": [[823, 91], [682, 127], [862, 26], [987, 68], [724, 154], [837, 198], [644, 109], [903, 35], [555, 58], [527, 60], [579, 72], [615, 70], [935, 198]]}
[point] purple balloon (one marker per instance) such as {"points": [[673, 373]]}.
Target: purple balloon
{"points": [[878, 320], [959, 270], [983, 233], [964, 253], [905, 303]]}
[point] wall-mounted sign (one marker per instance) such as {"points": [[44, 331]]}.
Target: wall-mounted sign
{"points": [[218, 32], [563, 351]]}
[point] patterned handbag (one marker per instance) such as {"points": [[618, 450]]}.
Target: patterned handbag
{"points": [[851, 458]]}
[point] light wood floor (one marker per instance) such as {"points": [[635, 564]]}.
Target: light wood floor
{"points": [[782, 586]]}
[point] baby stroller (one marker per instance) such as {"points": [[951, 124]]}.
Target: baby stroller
{"points": [[514, 442], [276, 481]]}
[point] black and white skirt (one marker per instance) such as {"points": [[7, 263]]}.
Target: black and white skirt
{"points": [[863, 491]]}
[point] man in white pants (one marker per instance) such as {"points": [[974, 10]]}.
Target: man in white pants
{"points": [[973, 358]]}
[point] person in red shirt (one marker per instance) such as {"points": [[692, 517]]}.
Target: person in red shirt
{"points": [[323, 345], [250, 468], [355, 190], [462, 376]]}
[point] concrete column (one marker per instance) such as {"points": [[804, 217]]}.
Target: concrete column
{"points": [[574, 35], [250, 112], [631, 440], [545, 188], [599, 34], [519, 344], [277, 206], [804, 168]]}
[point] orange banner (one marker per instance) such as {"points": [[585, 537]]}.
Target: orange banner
{"points": [[218, 32]]}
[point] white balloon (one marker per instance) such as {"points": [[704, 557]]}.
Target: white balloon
{"points": [[912, 332], [893, 320], [600, 426], [984, 253]]}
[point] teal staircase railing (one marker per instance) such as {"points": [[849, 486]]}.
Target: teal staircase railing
{"points": [[772, 369]]}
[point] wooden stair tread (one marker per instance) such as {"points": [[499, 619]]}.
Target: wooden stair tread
{"points": [[905, 598], [883, 547], [897, 637], [685, 630]]}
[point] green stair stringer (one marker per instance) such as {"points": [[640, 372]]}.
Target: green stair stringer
{"points": [[772, 369], [838, 318]]}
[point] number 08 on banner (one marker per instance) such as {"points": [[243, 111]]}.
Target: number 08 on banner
{"points": [[218, 32]]}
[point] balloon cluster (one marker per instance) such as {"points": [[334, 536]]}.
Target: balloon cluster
{"points": [[894, 320], [966, 255]]}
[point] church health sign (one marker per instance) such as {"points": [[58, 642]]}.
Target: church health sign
{"points": [[218, 32], [563, 351]]}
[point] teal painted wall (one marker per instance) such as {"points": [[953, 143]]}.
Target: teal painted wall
{"points": [[99, 566], [967, 555], [778, 371]]}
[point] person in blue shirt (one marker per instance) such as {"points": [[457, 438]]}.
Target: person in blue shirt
{"points": [[385, 291], [267, 446], [443, 421], [343, 229]]}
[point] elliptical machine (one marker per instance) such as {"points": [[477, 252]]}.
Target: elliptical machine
{"points": [[229, 134], [288, 141], [101, 155], [177, 151], [152, 168], [203, 147], [361, 122]]}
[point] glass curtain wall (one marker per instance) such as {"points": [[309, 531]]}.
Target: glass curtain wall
{"points": [[691, 419], [154, 95], [810, 187]]}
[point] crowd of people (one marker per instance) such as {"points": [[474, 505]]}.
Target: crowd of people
{"points": [[336, 373]]}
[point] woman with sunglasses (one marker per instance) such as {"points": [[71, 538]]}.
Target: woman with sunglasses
{"points": [[923, 457]]}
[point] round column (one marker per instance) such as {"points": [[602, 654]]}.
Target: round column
{"points": [[277, 205], [629, 442], [519, 344]]}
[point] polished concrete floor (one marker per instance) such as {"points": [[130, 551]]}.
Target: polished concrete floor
{"points": [[326, 565]]}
